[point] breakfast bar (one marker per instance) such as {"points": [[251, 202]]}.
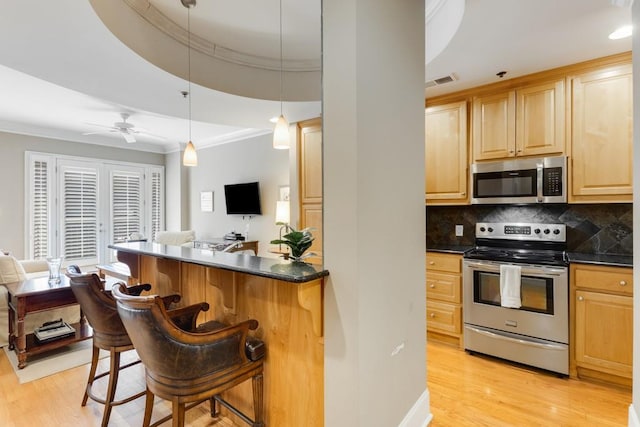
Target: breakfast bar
{"points": [[284, 297]]}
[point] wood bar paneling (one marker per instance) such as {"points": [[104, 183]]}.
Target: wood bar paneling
{"points": [[290, 324]]}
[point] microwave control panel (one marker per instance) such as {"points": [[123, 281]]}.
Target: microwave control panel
{"points": [[552, 182]]}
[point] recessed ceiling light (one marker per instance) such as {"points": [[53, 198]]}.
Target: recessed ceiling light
{"points": [[621, 32]]}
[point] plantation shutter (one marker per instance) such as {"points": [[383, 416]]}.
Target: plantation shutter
{"points": [[156, 205], [79, 214], [40, 234], [126, 204]]}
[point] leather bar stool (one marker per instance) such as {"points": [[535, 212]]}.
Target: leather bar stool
{"points": [[109, 333], [188, 365]]}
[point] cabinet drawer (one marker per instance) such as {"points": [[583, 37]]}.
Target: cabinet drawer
{"points": [[444, 262], [601, 278], [444, 317], [443, 287]]}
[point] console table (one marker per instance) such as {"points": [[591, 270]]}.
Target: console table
{"points": [[34, 295]]}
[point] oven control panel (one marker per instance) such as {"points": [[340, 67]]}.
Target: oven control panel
{"points": [[521, 231]]}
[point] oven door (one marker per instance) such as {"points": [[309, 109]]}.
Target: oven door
{"points": [[544, 294]]}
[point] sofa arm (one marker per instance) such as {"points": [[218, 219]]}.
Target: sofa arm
{"points": [[34, 265]]}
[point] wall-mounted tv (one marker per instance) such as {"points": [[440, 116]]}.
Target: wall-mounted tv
{"points": [[243, 199]]}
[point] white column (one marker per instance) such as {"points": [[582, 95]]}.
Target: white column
{"points": [[374, 213]]}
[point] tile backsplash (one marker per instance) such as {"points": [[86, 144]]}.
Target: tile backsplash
{"points": [[591, 228]]}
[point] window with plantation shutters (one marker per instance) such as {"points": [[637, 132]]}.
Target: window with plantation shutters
{"points": [[39, 203], [79, 209], [156, 204], [126, 205], [76, 207]]}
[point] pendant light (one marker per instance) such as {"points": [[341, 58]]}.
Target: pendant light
{"points": [[281, 131], [190, 157]]}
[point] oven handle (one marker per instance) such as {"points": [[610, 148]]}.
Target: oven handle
{"points": [[537, 271], [519, 341]]}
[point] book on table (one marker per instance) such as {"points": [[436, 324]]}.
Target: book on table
{"points": [[53, 330]]}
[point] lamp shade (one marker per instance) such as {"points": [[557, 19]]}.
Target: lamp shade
{"points": [[282, 211], [190, 157], [281, 134]]}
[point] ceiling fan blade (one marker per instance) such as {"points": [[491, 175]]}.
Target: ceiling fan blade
{"points": [[149, 134], [99, 125]]}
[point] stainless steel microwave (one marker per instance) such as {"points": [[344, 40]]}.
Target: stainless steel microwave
{"points": [[522, 181]]}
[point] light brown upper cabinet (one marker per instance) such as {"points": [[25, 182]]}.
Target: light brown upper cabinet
{"points": [[529, 121], [310, 167], [602, 146], [446, 160]]}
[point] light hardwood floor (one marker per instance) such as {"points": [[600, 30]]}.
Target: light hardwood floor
{"points": [[55, 400], [474, 390], [465, 390]]}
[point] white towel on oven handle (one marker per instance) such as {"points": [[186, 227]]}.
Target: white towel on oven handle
{"points": [[510, 286]]}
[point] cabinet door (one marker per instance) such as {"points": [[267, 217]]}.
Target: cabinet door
{"points": [[311, 216], [604, 332], [540, 113], [311, 161], [494, 126], [602, 124], [446, 153]]}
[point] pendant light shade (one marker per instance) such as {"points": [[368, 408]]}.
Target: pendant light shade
{"points": [[281, 134], [281, 131], [190, 157]]}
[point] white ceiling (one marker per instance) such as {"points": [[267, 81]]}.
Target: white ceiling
{"points": [[61, 68]]}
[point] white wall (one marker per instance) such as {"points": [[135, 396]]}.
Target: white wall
{"points": [[12, 174], [250, 160], [374, 216]]}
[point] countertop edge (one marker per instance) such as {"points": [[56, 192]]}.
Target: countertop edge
{"points": [[285, 277]]}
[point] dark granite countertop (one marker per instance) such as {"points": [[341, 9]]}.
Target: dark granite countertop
{"points": [[273, 268], [450, 249], [601, 259]]}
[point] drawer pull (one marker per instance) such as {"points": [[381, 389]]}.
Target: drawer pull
{"points": [[432, 315], [580, 298], [431, 262], [432, 286], [623, 283]]}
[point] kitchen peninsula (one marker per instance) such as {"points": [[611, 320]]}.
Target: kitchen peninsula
{"points": [[284, 297]]}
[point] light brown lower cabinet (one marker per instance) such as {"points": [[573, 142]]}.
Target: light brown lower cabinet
{"points": [[602, 323], [444, 298]]}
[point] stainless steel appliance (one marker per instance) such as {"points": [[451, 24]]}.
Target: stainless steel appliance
{"points": [[537, 180], [536, 333]]}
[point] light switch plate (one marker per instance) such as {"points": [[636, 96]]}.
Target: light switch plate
{"points": [[459, 230]]}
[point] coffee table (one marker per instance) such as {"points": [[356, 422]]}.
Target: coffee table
{"points": [[33, 295]]}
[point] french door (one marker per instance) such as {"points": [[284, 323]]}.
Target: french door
{"points": [[77, 207]]}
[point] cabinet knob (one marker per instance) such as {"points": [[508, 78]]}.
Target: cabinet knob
{"points": [[432, 286], [432, 315], [511, 151], [431, 262], [580, 298], [463, 193], [520, 151], [623, 283]]}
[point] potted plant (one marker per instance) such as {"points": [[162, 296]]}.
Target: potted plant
{"points": [[297, 241]]}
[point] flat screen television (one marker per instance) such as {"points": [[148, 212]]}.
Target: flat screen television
{"points": [[243, 199]]}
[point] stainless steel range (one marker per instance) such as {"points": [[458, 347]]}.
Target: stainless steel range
{"points": [[516, 292]]}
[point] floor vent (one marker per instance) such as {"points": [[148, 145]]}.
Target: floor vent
{"points": [[440, 81]]}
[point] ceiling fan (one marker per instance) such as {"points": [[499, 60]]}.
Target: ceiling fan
{"points": [[124, 128]]}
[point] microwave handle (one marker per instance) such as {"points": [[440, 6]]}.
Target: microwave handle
{"points": [[540, 196]]}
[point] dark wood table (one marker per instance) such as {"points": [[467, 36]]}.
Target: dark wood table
{"points": [[33, 295]]}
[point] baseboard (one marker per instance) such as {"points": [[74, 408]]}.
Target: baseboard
{"points": [[420, 413], [634, 421]]}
